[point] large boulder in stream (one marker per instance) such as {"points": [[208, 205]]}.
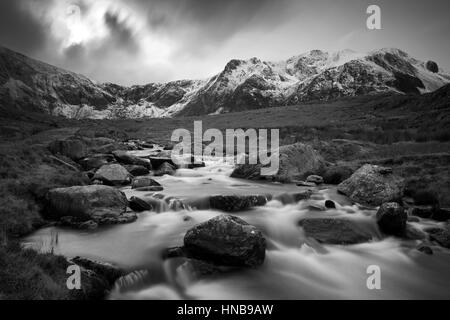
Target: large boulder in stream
{"points": [[228, 241], [373, 185], [113, 175], [392, 218], [334, 231], [126, 158], [144, 182], [296, 162], [165, 169], [94, 202], [234, 203]]}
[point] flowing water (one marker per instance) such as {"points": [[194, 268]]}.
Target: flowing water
{"points": [[295, 267]]}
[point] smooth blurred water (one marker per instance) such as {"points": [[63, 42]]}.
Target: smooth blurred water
{"points": [[295, 267]]}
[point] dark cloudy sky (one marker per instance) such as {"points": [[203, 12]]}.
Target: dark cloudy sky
{"points": [[141, 41]]}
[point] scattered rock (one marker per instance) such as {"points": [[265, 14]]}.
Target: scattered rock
{"points": [[236, 203], [175, 252], [288, 198], [106, 270], [113, 175], [228, 241], [337, 174], [87, 202], [373, 185], [330, 204], [297, 161], [165, 169], [96, 161], [315, 179], [432, 66], [412, 233], [137, 171], [74, 149], [124, 218], [334, 231], [144, 182], [440, 235], [392, 218], [306, 184], [139, 205], [150, 189], [425, 249], [74, 223], [430, 212], [126, 158], [159, 161]]}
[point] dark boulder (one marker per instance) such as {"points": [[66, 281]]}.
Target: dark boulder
{"points": [[150, 189], [392, 218], [296, 161], [440, 235], [96, 161], [329, 204], [315, 179], [108, 271], [236, 203], [137, 171], [373, 185], [334, 231], [139, 205], [125, 158], [87, 202], [337, 174], [143, 182], [159, 161], [113, 175], [432, 66], [228, 241], [165, 169]]}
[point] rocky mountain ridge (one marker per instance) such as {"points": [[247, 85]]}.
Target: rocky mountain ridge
{"points": [[29, 85]]}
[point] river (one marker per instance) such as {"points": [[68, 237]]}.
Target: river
{"points": [[295, 267]]}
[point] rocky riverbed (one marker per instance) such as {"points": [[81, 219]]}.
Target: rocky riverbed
{"points": [[218, 231]]}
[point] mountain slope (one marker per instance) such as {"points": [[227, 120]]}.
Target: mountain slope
{"points": [[26, 84]]}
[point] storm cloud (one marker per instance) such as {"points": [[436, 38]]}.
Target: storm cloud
{"points": [[139, 41]]}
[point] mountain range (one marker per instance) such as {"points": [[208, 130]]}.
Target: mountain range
{"points": [[28, 85]]}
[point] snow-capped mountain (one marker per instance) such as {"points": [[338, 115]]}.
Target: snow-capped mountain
{"points": [[28, 84]]}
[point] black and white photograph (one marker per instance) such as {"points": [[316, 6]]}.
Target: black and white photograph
{"points": [[231, 151]]}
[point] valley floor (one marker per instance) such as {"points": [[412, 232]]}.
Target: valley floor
{"points": [[412, 140]]}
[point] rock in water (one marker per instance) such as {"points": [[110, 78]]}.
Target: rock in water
{"points": [[236, 203], [113, 175], [334, 231], [165, 169], [126, 158], [440, 235], [87, 202], [392, 218], [139, 205], [137, 171], [226, 240], [297, 161], [315, 179], [144, 182], [373, 185], [329, 204]]}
